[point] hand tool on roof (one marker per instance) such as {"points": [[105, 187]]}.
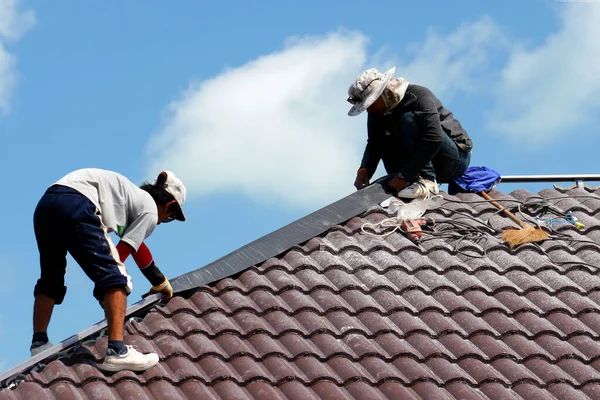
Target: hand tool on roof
{"points": [[568, 218], [516, 237], [412, 228]]}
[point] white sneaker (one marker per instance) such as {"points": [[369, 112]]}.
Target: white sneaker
{"points": [[420, 189], [38, 349], [133, 360]]}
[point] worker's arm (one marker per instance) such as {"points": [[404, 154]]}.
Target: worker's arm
{"points": [[145, 262], [372, 154]]}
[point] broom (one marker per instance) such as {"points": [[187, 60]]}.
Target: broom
{"points": [[516, 237]]}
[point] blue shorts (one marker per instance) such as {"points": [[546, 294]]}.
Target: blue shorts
{"points": [[67, 221]]}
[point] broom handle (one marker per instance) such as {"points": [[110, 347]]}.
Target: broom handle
{"points": [[504, 210]]}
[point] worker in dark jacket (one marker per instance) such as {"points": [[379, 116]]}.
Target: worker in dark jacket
{"points": [[409, 129]]}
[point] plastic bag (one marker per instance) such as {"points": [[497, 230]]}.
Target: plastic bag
{"points": [[412, 210]]}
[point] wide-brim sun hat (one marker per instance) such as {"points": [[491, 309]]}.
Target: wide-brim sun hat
{"points": [[366, 88]]}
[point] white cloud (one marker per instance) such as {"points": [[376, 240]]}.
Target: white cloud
{"points": [[550, 90], [13, 24], [7, 77], [276, 128], [449, 63], [273, 128]]}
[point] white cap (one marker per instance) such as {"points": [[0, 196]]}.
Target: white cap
{"points": [[367, 88], [173, 185]]}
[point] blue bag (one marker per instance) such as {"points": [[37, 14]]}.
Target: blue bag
{"points": [[475, 179]]}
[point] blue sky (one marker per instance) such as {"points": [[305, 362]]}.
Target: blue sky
{"points": [[246, 102]]}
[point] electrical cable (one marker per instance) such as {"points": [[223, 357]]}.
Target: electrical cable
{"points": [[453, 229]]}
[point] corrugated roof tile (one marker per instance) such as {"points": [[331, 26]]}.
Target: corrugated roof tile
{"points": [[565, 391], [348, 315]]}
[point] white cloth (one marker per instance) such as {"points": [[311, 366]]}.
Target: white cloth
{"points": [[124, 208], [394, 93]]}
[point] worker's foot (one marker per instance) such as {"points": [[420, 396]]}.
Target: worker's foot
{"points": [[420, 189], [37, 347], [133, 360]]}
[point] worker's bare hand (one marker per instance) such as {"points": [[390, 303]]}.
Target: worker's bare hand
{"points": [[397, 184], [362, 179]]}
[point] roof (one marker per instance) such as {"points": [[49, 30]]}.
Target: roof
{"points": [[347, 315]]}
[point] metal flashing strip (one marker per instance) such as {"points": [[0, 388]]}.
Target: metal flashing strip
{"points": [[284, 238], [7, 377], [549, 178]]}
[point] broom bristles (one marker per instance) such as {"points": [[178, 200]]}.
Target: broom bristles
{"points": [[516, 237]]}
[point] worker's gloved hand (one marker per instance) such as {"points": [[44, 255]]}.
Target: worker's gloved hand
{"points": [[397, 183], [362, 178], [165, 288]]}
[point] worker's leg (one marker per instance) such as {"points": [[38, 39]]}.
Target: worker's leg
{"points": [[401, 145], [420, 182], [450, 161], [394, 153], [95, 252], [49, 223], [42, 312], [115, 305]]}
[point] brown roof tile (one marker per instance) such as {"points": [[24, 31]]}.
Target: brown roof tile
{"points": [[351, 316]]}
